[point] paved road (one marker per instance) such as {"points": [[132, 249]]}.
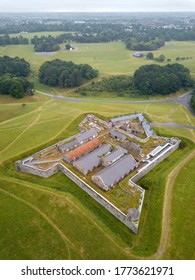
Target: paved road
{"points": [[172, 124], [184, 100]]}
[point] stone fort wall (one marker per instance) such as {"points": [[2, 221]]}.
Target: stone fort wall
{"points": [[125, 219]]}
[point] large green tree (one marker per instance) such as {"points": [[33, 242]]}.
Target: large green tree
{"points": [[16, 89], [155, 79], [65, 73], [15, 66]]}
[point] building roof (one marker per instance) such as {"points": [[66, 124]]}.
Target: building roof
{"points": [[117, 135], [122, 149], [147, 128], [93, 159], [115, 172], [86, 135], [158, 149], [115, 155], [137, 54], [69, 145], [128, 118], [83, 149]]}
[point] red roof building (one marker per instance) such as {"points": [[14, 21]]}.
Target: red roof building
{"points": [[82, 150]]}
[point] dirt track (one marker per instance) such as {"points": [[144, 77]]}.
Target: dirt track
{"points": [[184, 100], [165, 234]]}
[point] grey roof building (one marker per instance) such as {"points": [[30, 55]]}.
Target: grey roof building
{"points": [[85, 136], [123, 118], [117, 135], [112, 174], [140, 117], [87, 163], [114, 156], [147, 128], [128, 118], [68, 146]]}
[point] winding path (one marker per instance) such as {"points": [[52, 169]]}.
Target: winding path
{"points": [[183, 99], [173, 124]]}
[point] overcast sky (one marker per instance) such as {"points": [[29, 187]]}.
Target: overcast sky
{"points": [[95, 5]]}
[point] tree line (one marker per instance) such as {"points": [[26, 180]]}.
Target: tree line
{"points": [[154, 79], [14, 66], [139, 45], [65, 74], [50, 43], [45, 44], [192, 102], [18, 40]]}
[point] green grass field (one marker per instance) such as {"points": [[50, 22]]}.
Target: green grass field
{"points": [[56, 212], [109, 58]]}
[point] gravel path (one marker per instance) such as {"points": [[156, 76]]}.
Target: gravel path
{"points": [[172, 124]]}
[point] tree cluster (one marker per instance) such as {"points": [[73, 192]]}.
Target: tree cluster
{"points": [[17, 87], [12, 73], [154, 79], [45, 44], [7, 40], [14, 66], [65, 74], [139, 45]]}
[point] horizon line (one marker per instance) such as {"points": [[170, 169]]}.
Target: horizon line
{"points": [[103, 11]]}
